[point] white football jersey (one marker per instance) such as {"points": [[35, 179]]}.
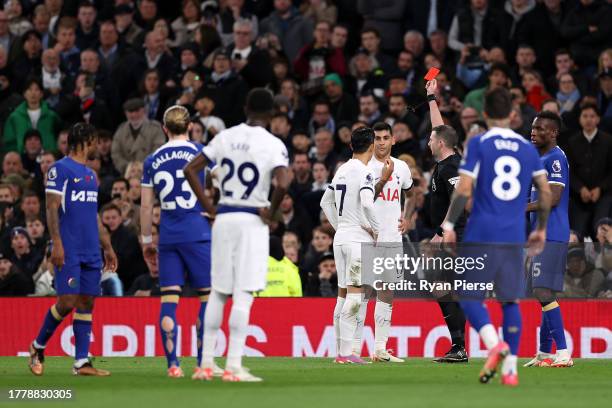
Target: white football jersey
{"points": [[350, 179], [245, 157], [388, 204]]}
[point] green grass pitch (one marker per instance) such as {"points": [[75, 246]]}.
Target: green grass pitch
{"points": [[314, 383]]}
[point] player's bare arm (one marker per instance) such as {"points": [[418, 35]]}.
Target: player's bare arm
{"points": [[57, 252], [537, 238], [387, 171], [461, 195], [281, 175], [556, 191], [328, 205], [147, 196], [110, 258], [409, 207], [191, 171]]}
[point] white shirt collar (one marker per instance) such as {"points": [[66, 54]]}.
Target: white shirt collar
{"points": [[590, 136], [244, 53]]}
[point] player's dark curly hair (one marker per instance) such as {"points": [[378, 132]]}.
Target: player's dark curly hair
{"points": [[553, 117], [361, 139], [80, 134]]}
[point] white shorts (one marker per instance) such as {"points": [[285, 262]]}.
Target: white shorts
{"points": [[348, 263], [240, 247]]}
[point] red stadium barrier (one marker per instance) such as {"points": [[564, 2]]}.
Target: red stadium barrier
{"points": [[290, 327]]}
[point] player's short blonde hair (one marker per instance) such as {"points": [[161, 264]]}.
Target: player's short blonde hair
{"points": [[176, 119]]}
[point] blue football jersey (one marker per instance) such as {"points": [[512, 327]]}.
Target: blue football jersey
{"points": [[181, 213], [503, 165], [78, 215], [556, 166]]}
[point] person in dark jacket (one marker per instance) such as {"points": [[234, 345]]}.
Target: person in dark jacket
{"points": [[227, 89], [290, 26], [251, 63], [541, 28], [324, 281], [125, 243], [480, 17], [12, 281], [24, 256], [589, 153], [588, 29], [343, 106]]}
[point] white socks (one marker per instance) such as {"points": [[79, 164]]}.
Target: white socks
{"points": [[382, 324], [238, 322], [509, 365], [212, 323], [489, 336], [337, 311], [348, 322], [363, 308]]}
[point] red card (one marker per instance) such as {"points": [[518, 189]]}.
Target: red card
{"points": [[432, 73]]}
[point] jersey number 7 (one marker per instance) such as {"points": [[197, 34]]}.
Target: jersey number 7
{"points": [[342, 188]]}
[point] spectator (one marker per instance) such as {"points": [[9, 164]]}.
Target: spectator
{"points": [[135, 138], [283, 278], [604, 98], [147, 14], [295, 219], [52, 76], [405, 142], [147, 284], [414, 42], [186, 25], [564, 64], [32, 113], [587, 28], [129, 32], [12, 281], [298, 111], [398, 111], [28, 62], [44, 278], [321, 118], [438, 42], [582, 280], [499, 76], [103, 86], [339, 38], [343, 106], [227, 89], [7, 39], [125, 243], [324, 281], [212, 124], [343, 142], [280, 126], [302, 175], [407, 67], [369, 109], [319, 10], [568, 94], [154, 56], [371, 41], [478, 25], [533, 85], [250, 62], [541, 28], [30, 158], [324, 148], [66, 47], [427, 16], [155, 97], [286, 23], [31, 207], [317, 59], [130, 212], [234, 11], [18, 24], [36, 229], [320, 174], [87, 31], [525, 60], [24, 256], [321, 243], [590, 159]]}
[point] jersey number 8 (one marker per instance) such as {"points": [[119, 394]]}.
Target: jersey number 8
{"points": [[185, 203], [506, 185]]}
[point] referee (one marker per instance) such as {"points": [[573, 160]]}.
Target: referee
{"points": [[445, 175]]}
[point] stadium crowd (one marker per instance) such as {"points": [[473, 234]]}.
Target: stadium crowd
{"points": [[333, 65]]}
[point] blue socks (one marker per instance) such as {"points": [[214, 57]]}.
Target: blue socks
{"points": [[546, 339], [512, 326], [167, 325], [81, 325], [551, 312], [203, 295], [52, 320], [476, 312]]}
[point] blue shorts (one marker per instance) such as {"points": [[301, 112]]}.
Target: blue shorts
{"points": [[502, 265], [177, 260], [548, 269], [80, 275]]}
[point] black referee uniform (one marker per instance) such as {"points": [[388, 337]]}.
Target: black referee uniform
{"points": [[444, 178]]}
